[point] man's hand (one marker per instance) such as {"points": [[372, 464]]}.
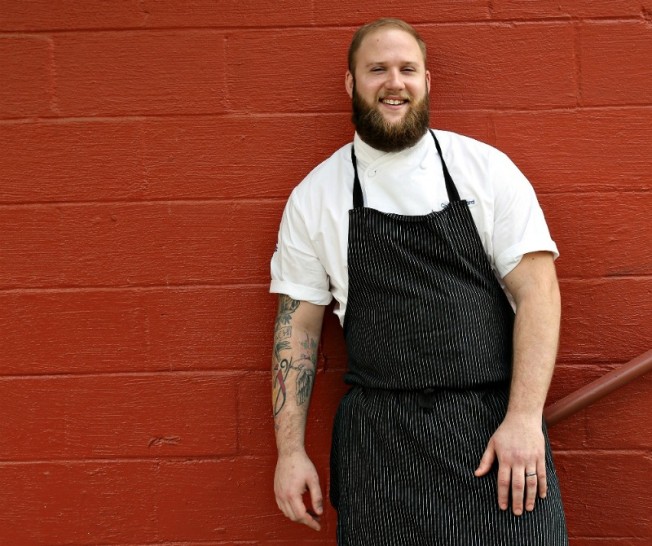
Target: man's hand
{"points": [[519, 446], [295, 474]]}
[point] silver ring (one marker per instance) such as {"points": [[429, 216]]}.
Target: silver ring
{"points": [[530, 474]]}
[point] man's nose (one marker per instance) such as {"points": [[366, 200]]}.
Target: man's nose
{"points": [[394, 79]]}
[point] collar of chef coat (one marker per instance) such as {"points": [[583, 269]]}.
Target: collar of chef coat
{"points": [[365, 154], [408, 182]]}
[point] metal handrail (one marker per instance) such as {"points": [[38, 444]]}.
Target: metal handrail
{"points": [[597, 389]]}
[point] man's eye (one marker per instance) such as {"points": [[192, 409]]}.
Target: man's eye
{"points": [[408, 69], [377, 69]]}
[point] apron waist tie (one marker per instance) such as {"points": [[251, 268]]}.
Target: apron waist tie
{"points": [[426, 399]]}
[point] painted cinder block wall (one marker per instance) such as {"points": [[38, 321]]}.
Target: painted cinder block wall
{"points": [[146, 152]]}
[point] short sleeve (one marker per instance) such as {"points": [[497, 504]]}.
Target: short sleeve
{"points": [[519, 224], [295, 267]]}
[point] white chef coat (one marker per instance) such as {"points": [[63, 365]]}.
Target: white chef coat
{"points": [[310, 260]]}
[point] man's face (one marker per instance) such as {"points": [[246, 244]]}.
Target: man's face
{"points": [[389, 90]]}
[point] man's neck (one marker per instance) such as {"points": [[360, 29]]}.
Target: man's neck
{"points": [[369, 154]]}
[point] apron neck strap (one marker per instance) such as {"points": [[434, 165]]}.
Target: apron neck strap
{"points": [[358, 199], [453, 195]]}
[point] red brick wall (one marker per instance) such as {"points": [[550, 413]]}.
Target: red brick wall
{"points": [[147, 148]]}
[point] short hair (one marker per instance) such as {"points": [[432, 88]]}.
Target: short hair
{"points": [[369, 28]]}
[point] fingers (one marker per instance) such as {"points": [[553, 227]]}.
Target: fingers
{"points": [[486, 461], [302, 515], [531, 485], [520, 483], [295, 510], [504, 482], [542, 481], [525, 485], [316, 498]]}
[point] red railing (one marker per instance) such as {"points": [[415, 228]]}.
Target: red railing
{"points": [[599, 388]]}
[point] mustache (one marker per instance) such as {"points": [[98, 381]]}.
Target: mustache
{"points": [[406, 97]]}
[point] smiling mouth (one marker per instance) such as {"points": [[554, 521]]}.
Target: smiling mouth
{"points": [[394, 102]]}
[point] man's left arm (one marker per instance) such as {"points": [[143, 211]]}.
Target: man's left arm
{"points": [[518, 443]]}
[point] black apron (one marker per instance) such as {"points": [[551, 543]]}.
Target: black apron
{"points": [[428, 331]]}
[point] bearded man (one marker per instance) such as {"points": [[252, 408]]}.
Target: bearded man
{"points": [[442, 267]]}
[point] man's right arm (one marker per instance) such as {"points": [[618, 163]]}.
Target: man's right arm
{"points": [[294, 361]]}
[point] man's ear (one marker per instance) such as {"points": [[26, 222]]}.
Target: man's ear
{"points": [[428, 80], [349, 83]]}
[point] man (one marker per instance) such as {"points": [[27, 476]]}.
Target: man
{"points": [[428, 241]]}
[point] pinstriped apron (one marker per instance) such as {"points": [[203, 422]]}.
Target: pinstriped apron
{"points": [[428, 330]]}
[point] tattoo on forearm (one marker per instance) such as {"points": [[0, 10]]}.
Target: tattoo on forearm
{"points": [[304, 367], [310, 346], [305, 380], [282, 341], [281, 372], [305, 373], [286, 307]]}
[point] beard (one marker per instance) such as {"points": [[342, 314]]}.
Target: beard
{"points": [[376, 131]]}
